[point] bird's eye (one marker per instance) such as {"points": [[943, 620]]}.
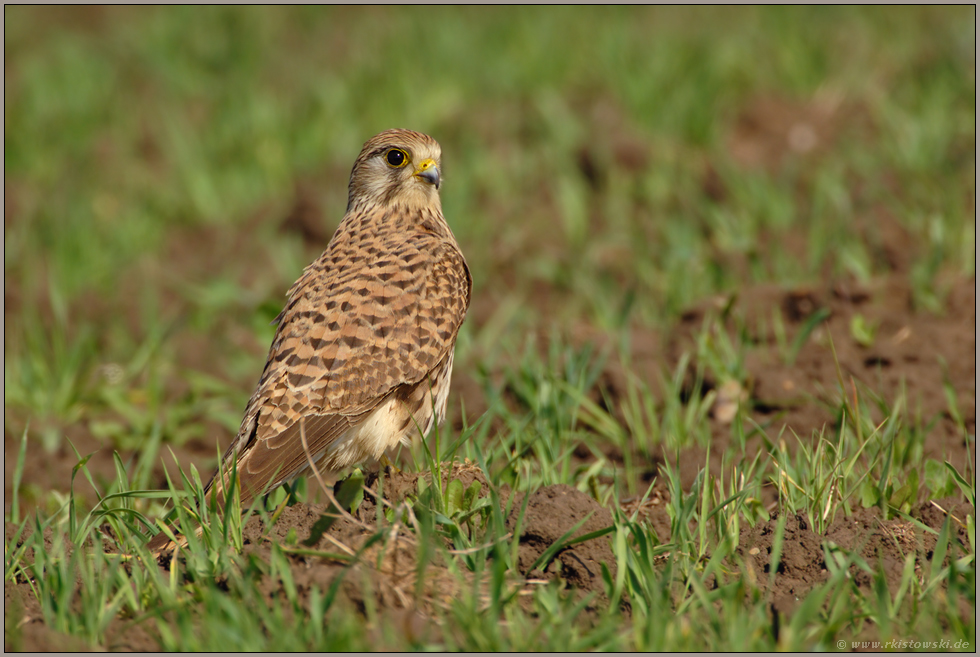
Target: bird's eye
{"points": [[396, 158]]}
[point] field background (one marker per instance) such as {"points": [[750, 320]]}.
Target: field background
{"points": [[722, 330]]}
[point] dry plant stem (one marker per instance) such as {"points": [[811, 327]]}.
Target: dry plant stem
{"points": [[477, 548], [945, 512]]}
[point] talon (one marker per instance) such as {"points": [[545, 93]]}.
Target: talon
{"points": [[388, 465]]}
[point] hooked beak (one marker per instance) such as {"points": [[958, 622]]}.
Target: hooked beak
{"points": [[428, 172]]}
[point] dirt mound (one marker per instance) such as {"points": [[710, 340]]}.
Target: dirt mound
{"points": [[552, 513], [883, 544], [550, 516], [800, 344]]}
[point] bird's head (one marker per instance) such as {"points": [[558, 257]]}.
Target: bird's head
{"points": [[397, 166]]}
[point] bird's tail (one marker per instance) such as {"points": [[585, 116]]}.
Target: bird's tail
{"points": [[214, 494], [223, 479], [162, 544]]}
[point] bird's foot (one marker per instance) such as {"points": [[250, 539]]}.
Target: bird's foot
{"points": [[388, 466]]}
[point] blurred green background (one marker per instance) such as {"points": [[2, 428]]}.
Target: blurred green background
{"points": [[169, 171]]}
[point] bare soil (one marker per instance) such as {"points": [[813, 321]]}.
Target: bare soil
{"points": [[914, 353]]}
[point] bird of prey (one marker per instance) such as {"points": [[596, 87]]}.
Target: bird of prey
{"points": [[363, 353]]}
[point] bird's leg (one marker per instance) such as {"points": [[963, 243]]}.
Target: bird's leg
{"points": [[388, 465]]}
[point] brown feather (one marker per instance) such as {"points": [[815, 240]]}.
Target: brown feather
{"points": [[371, 323]]}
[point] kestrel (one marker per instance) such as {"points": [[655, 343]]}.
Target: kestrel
{"points": [[363, 352]]}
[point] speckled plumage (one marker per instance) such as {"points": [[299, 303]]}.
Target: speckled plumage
{"points": [[363, 353]]}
